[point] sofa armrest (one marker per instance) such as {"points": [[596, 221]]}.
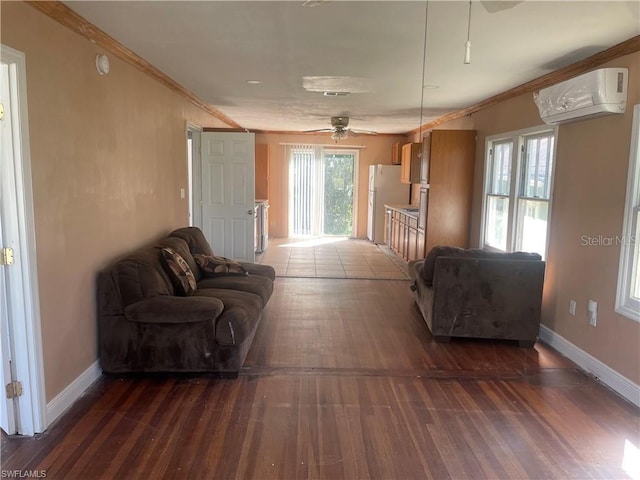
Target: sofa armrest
{"points": [[170, 309], [260, 269]]}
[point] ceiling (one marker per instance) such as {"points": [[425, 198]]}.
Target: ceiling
{"points": [[372, 49]]}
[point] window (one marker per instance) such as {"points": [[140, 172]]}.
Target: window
{"points": [[628, 296], [518, 178]]}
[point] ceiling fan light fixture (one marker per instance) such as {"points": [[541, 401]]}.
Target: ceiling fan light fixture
{"points": [[339, 134]]}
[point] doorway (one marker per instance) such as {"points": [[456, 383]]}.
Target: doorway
{"points": [[193, 171], [22, 397], [322, 191]]}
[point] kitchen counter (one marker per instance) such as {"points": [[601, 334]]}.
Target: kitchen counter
{"points": [[411, 210]]}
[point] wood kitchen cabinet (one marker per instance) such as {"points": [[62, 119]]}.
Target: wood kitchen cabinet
{"points": [[404, 235], [262, 171], [396, 154], [446, 188], [445, 180], [411, 163]]}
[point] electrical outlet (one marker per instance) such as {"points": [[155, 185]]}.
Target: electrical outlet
{"points": [[572, 307], [593, 312]]}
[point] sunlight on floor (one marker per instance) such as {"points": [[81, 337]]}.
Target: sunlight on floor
{"points": [[631, 460], [333, 257], [313, 242]]}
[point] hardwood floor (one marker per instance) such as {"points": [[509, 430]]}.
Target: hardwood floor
{"points": [[343, 381]]}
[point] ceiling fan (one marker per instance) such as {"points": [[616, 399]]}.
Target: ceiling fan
{"points": [[339, 127]]}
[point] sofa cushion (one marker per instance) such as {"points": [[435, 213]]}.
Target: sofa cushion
{"points": [[214, 266], [430, 260], [194, 238], [488, 254], [260, 269], [140, 275], [256, 284], [198, 244], [179, 271], [450, 251]]}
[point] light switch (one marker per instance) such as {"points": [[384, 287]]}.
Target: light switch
{"points": [[182, 193]]}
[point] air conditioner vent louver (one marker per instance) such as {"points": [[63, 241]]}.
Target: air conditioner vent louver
{"points": [[593, 94]]}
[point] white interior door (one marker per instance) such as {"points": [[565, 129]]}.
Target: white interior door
{"points": [[228, 193], [7, 407], [21, 343]]}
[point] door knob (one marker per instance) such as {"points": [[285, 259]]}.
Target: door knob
{"points": [[250, 212]]}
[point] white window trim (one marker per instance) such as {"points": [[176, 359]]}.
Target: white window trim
{"points": [[518, 140], [625, 304]]}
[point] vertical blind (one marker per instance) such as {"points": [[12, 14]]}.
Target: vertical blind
{"points": [[305, 178]]}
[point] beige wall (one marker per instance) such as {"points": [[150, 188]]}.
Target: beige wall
{"points": [[588, 199], [108, 159], [377, 149]]}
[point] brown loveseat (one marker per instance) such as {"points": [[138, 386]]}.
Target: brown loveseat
{"points": [[479, 294], [147, 324]]}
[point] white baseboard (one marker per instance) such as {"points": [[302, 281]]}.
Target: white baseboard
{"points": [[72, 392], [618, 383]]}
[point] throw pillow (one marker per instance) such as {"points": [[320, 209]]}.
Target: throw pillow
{"points": [[213, 266], [178, 269]]}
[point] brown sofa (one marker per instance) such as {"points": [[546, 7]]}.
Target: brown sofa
{"points": [[479, 294], [146, 324]]}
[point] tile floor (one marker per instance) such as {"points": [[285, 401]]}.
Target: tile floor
{"points": [[333, 257]]}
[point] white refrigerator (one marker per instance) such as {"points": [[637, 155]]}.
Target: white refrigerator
{"points": [[385, 188]]}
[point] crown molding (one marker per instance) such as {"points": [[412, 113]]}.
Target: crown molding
{"points": [[627, 47], [67, 17], [64, 15]]}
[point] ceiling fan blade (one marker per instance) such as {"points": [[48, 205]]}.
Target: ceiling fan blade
{"points": [[317, 130], [355, 133]]}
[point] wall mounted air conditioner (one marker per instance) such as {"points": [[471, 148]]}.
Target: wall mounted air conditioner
{"points": [[593, 94]]}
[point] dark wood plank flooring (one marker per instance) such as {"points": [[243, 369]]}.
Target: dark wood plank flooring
{"points": [[344, 381]]}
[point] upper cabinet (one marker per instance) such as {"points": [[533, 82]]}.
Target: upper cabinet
{"points": [[262, 171], [426, 155], [396, 154], [411, 163]]}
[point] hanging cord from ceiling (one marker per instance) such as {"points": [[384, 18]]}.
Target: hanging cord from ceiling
{"points": [[424, 62], [467, 45]]}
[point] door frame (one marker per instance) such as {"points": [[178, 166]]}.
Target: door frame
{"points": [[26, 342], [193, 174], [356, 180], [321, 149]]}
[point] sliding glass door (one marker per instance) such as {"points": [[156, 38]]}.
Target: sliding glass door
{"points": [[321, 191]]}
